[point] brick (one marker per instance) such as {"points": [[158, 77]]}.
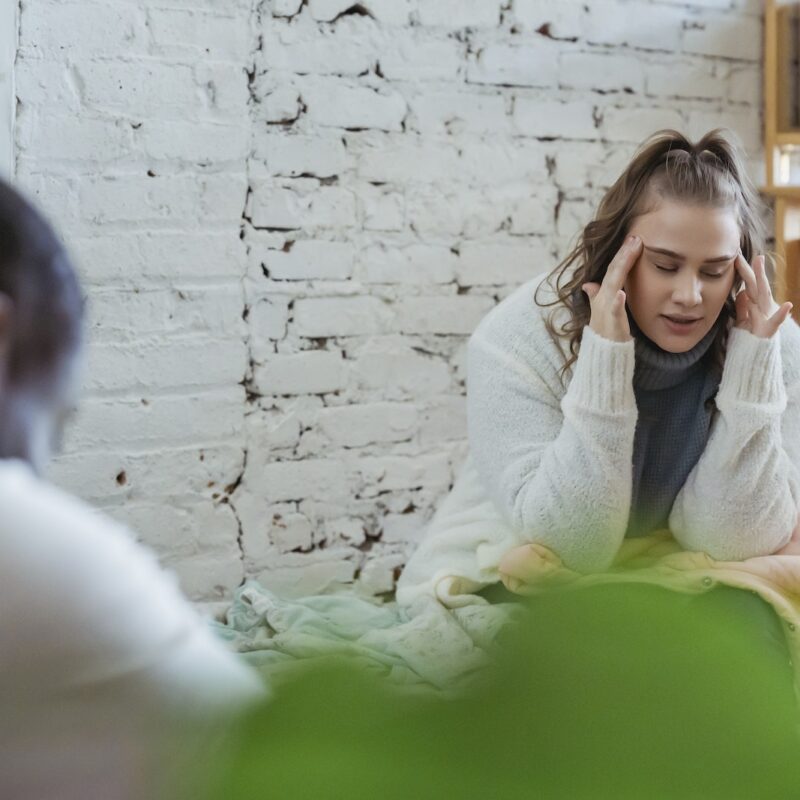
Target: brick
{"points": [[66, 138], [403, 528], [191, 30], [309, 372], [122, 314], [534, 214], [308, 259], [444, 315], [318, 156], [377, 575], [267, 319], [292, 480], [174, 198], [635, 124], [150, 475], [484, 264], [188, 141], [381, 209], [334, 104], [291, 531], [396, 370], [391, 12], [46, 82], [363, 424], [416, 59], [56, 29], [551, 118], [724, 35], [563, 20], [285, 8], [520, 162], [472, 213], [445, 420], [222, 89], [132, 257], [516, 65], [327, 10], [302, 575], [408, 161], [460, 13], [340, 316], [302, 206], [276, 431], [198, 418], [722, 4], [695, 81], [600, 71], [141, 88], [391, 473], [348, 49], [609, 23], [745, 85], [148, 366], [280, 105], [414, 264], [458, 113]]}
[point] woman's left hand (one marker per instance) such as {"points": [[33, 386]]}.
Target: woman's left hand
{"points": [[792, 547], [756, 310], [517, 566]]}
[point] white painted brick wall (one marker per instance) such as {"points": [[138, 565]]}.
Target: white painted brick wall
{"points": [[290, 215], [8, 48]]}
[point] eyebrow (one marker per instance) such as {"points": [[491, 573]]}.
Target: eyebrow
{"points": [[679, 257]]}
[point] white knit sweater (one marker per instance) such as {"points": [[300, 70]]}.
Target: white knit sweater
{"points": [[553, 466]]}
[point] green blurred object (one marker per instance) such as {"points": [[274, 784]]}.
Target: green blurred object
{"points": [[609, 691]]}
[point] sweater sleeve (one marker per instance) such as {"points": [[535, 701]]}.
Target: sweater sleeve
{"points": [[741, 498], [86, 607], [559, 472]]}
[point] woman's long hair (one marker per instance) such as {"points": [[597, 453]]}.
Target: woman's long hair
{"points": [[666, 166]]}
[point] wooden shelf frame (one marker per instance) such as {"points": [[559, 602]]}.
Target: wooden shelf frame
{"points": [[780, 134]]}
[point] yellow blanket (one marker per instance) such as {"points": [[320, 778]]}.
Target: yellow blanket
{"points": [[658, 559]]}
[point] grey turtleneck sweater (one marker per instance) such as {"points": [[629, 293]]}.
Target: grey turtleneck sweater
{"points": [[672, 391]]}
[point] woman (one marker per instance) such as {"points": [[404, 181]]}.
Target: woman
{"points": [[654, 330], [100, 654]]}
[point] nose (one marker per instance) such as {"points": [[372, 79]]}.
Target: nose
{"points": [[686, 290]]}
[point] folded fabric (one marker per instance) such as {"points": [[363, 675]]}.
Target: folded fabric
{"points": [[425, 647]]}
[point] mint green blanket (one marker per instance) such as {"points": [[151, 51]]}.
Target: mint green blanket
{"points": [[426, 647]]}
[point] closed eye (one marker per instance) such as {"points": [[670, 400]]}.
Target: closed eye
{"points": [[705, 274]]}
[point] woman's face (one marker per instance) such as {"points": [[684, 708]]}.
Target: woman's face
{"points": [[691, 276]]}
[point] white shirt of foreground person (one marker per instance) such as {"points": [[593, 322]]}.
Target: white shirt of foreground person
{"points": [[100, 654]]}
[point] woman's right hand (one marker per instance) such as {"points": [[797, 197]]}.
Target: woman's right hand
{"points": [[608, 316]]}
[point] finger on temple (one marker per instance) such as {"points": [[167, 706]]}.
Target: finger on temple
{"points": [[621, 265], [749, 276]]}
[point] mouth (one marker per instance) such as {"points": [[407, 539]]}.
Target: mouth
{"points": [[681, 324]]}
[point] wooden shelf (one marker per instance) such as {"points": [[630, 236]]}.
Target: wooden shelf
{"points": [[787, 138], [782, 130], [789, 192]]}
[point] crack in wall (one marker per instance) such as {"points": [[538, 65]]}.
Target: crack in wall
{"points": [[256, 18]]}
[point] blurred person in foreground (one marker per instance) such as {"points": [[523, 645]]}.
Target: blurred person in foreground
{"points": [[104, 665]]}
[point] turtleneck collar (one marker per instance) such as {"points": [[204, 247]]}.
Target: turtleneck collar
{"points": [[659, 369]]}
